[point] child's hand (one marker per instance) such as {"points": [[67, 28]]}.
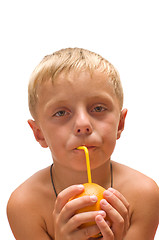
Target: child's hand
{"points": [[117, 208], [67, 222]]}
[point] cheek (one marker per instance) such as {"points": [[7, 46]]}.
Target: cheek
{"points": [[109, 130], [56, 140], [109, 135]]}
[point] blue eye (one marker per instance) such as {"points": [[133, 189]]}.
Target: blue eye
{"points": [[99, 109], [60, 113]]}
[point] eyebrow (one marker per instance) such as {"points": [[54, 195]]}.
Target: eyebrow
{"points": [[100, 98], [58, 102], [103, 96]]}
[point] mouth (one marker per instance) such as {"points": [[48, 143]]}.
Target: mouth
{"points": [[88, 147]]}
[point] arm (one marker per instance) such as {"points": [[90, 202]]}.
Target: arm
{"points": [[24, 219], [26, 222], [145, 218]]}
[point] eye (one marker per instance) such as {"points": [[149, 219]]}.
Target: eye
{"points": [[99, 109], [60, 113]]}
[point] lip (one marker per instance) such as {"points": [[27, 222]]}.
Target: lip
{"points": [[88, 147]]}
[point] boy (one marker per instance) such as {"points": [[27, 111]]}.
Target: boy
{"points": [[76, 98]]}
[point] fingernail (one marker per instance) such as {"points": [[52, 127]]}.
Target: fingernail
{"points": [[93, 198], [99, 218], [102, 213], [107, 193], [111, 190], [104, 202], [80, 187]]}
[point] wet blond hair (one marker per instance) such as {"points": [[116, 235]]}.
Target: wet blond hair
{"points": [[68, 59]]}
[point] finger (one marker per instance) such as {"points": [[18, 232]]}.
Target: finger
{"points": [[86, 233], [116, 219], [118, 202], [64, 196], [83, 218], [76, 226], [120, 196], [104, 228], [72, 206]]}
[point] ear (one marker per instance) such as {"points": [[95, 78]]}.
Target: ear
{"points": [[37, 133], [121, 122]]}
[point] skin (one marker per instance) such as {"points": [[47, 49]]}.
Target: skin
{"points": [[80, 109]]}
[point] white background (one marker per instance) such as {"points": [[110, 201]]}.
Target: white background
{"points": [[124, 32]]}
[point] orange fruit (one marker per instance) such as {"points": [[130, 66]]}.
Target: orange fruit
{"points": [[89, 190]]}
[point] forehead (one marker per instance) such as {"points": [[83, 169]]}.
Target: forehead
{"points": [[77, 80], [78, 84], [83, 78]]}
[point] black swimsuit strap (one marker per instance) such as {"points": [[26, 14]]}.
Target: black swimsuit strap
{"points": [[111, 173]]}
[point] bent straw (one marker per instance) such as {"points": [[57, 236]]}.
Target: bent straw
{"points": [[87, 162]]}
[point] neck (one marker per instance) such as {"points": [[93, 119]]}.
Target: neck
{"points": [[100, 175]]}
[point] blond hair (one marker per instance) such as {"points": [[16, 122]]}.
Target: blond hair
{"points": [[68, 59]]}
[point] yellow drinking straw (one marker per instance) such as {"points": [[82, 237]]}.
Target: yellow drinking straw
{"points": [[87, 162]]}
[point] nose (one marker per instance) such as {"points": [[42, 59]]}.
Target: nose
{"points": [[82, 124]]}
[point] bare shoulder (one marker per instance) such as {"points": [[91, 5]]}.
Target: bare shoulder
{"points": [[130, 176], [142, 194], [134, 184], [35, 184], [25, 208]]}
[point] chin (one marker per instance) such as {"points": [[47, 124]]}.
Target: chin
{"points": [[81, 166]]}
